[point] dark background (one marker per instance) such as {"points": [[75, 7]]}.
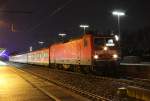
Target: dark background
{"points": [[43, 20]]}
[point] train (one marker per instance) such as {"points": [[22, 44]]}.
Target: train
{"points": [[86, 53]]}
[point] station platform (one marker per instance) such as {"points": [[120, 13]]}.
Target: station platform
{"points": [[18, 85]]}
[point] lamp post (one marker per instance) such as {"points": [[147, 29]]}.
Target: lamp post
{"points": [[118, 14], [62, 35], [84, 27], [41, 42]]}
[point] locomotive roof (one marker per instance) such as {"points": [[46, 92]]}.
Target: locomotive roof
{"points": [[71, 39], [78, 37], [68, 40]]}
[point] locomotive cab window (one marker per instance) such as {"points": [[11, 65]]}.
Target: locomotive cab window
{"points": [[110, 42], [100, 42]]}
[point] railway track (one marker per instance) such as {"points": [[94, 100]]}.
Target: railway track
{"points": [[41, 85], [128, 80], [88, 94], [144, 83]]}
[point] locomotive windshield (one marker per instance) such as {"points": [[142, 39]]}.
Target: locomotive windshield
{"points": [[100, 42]]}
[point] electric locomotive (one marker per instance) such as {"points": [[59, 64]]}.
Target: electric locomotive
{"points": [[88, 53]]}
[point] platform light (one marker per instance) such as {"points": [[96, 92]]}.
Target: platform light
{"points": [[62, 34], [116, 37], [41, 42], [84, 27], [118, 13]]}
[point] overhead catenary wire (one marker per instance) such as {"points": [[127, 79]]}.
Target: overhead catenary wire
{"points": [[51, 15], [16, 11]]}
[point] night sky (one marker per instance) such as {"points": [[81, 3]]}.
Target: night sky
{"points": [[43, 20]]}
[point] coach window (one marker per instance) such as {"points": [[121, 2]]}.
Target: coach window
{"points": [[45, 55], [41, 55]]}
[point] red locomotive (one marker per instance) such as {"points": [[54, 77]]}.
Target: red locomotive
{"points": [[87, 52]]}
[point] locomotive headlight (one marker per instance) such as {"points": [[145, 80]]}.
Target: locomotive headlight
{"points": [[115, 56], [96, 56], [105, 48]]}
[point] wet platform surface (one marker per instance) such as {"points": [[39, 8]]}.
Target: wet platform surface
{"points": [[15, 88], [17, 85]]}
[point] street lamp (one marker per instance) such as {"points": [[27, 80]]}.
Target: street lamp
{"points": [[118, 14], [62, 35], [116, 37], [41, 42], [84, 27]]}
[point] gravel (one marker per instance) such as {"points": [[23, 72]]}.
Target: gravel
{"points": [[101, 86]]}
